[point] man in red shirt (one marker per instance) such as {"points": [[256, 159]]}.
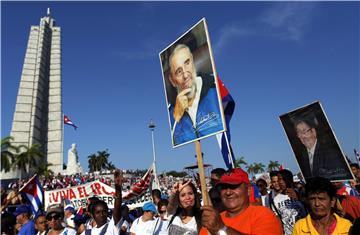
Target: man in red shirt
{"points": [[239, 217]]}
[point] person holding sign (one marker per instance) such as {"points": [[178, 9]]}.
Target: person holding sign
{"points": [[239, 217], [195, 114]]}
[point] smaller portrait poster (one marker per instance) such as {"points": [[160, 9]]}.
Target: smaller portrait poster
{"points": [[191, 90], [314, 144]]}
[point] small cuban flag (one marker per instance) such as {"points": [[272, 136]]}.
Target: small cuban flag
{"points": [[34, 193], [67, 121]]}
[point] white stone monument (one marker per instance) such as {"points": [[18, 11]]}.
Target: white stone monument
{"points": [[73, 166]]}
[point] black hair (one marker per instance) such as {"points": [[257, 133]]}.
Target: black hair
{"points": [[98, 203], [38, 216], [156, 193], [288, 177], [124, 210], [355, 165], [91, 201], [308, 121], [261, 179], [162, 202], [218, 172], [319, 185], [273, 173]]}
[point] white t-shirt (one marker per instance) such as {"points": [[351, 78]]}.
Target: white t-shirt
{"points": [[139, 227], [112, 229], [68, 231], [127, 226], [177, 227], [289, 210]]}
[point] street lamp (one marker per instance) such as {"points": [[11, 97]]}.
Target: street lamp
{"points": [[152, 128]]}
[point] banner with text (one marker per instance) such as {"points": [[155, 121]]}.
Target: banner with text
{"points": [[79, 195]]}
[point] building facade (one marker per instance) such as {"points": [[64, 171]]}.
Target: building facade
{"points": [[38, 117]]}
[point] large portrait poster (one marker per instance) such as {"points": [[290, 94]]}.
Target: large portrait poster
{"points": [[192, 97], [314, 143]]}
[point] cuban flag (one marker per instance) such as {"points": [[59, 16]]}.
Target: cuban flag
{"points": [[225, 138], [67, 121], [34, 193]]}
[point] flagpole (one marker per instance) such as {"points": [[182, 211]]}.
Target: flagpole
{"points": [[230, 153], [27, 182], [63, 135], [204, 193]]}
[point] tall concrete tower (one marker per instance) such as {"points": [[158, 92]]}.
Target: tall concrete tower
{"points": [[38, 112]]}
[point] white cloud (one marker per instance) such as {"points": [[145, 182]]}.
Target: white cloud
{"points": [[228, 33], [289, 20], [283, 20]]}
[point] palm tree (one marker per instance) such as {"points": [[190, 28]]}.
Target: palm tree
{"points": [[258, 167], [28, 158], [92, 162], [273, 165], [103, 159], [8, 152], [100, 161], [240, 161], [250, 169], [43, 169]]}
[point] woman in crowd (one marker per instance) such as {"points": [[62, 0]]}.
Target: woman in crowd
{"points": [[184, 206], [320, 199]]}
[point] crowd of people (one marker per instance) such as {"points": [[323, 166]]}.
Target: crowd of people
{"points": [[275, 205]]}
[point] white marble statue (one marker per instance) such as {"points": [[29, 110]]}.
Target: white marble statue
{"points": [[73, 166]]}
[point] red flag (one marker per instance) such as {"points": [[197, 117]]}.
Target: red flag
{"points": [[281, 167], [67, 121], [140, 187]]}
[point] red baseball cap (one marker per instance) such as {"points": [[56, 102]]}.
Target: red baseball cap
{"points": [[235, 176]]}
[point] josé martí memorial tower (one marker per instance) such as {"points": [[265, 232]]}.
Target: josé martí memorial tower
{"points": [[38, 112]]}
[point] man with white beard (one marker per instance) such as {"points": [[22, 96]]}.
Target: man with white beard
{"points": [[196, 112]]}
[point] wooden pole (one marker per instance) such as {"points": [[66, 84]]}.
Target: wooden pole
{"points": [[200, 163]]}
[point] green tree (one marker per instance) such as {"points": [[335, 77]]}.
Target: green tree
{"points": [[43, 169], [250, 169], [28, 157], [273, 165], [177, 174], [8, 152], [240, 161], [258, 167], [100, 161], [92, 161]]}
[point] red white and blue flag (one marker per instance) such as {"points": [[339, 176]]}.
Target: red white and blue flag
{"points": [[225, 138], [67, 121], [34, 193]]}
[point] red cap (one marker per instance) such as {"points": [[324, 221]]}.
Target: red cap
{"points": [[236, 176]]}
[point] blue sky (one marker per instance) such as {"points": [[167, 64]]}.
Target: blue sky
{"points": [[273, 57]]}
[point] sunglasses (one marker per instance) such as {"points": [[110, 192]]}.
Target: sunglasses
{"points": [[53, 216], [162, 212]]}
